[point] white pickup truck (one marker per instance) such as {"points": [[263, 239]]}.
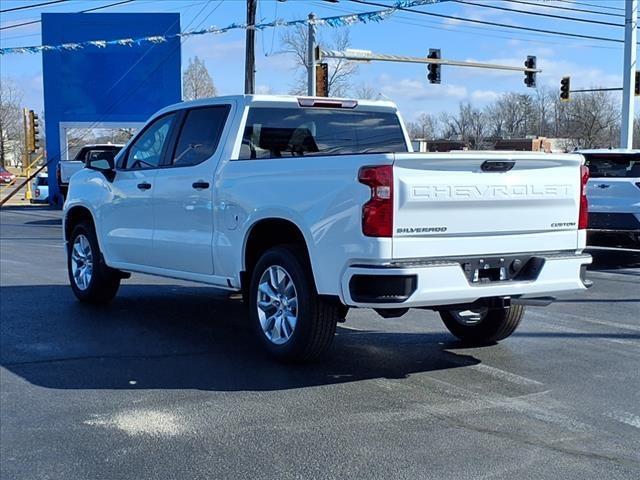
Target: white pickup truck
{"points": [[310, 206], [66, 168]]}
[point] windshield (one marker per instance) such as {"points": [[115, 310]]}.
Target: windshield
{"points": [[613, 165], [294, 132]]}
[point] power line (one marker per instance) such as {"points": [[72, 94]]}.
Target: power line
{"points": [[471, 30], [557, 7], [16, 25], [590, 5], [25, 7], [140, 2], [539, 14], [495, 24]]}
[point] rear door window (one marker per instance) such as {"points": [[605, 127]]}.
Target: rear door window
{"points": [[199, 135], [603, 165], [298, 132]]}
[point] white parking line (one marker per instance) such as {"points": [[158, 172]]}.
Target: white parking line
{"points": [[623, 326], [504, 375], [625, 417]]}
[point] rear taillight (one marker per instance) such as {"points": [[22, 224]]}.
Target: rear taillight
{"points": [[377, 213], [583, 218], [37, 193]]}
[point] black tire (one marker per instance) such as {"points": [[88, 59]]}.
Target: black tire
{"points": [[496, 325], [316, 317], [104, 282]]}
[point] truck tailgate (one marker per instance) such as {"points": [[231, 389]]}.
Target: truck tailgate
{"points": [[485, 203]]}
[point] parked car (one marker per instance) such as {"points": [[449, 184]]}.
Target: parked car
{"points": [[6, 177], [614, 197], [67, 168], [311, 206], [40, 188]]}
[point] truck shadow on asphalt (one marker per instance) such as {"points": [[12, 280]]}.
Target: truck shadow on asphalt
{"points": [[171, 337]]}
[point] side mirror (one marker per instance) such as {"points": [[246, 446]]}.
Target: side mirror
{"points": [[103, 165]]}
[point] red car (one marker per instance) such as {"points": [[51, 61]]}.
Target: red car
{"points": [[6, 177]]}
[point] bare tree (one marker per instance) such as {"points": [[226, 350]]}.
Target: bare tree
{"points": [[591, 120], [467, 125], [425, 127], [295, 41], [366, 91], [196, 81], [11, 124]]}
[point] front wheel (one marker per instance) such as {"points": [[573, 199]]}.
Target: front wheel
{"points": [[91, 279], [291, 320], [483, 326]]}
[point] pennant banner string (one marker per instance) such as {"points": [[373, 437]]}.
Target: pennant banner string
{"points": [[334, 22]]}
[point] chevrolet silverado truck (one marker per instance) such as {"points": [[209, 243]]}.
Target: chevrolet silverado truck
{"points": [[311, 206]]}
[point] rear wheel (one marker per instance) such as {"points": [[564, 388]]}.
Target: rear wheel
{"points": [[483, 326], [91, 279], [291, 320]]}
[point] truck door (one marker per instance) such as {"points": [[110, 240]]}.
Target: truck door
{"points": [[127, 220], [183, 198]]}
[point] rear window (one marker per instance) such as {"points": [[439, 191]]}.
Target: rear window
{"points": [[613, 165], [42, 181], [297, 132], [103, 152]]}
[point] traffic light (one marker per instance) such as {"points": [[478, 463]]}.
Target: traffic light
{"points": [[636, 90], [565, 88], [530, 77], [33, 134], [322, 80], [433, 69]]}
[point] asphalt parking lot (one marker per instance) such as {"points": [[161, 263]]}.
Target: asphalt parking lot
{"points": [[168, 383]]}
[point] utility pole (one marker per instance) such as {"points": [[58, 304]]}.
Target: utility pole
{"points": [[311, 57], [630, 36], [250, 55]]}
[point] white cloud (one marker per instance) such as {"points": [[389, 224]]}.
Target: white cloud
{"points": [[485, 95], [416, 89], [213, 49]]}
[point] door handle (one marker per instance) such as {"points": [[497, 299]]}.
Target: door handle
{"points": [[200, 185], [144, 186]]}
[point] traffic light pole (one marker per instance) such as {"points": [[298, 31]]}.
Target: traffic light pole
{"points": [[630, 36], [367, 56]]}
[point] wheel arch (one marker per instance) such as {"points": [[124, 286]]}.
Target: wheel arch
{"points": [[75, 215], [266, 233]]}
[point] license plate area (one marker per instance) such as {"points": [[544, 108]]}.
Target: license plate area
{"points": [[485, 270]]}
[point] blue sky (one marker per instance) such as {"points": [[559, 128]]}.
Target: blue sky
{"points": [[589, 62]]}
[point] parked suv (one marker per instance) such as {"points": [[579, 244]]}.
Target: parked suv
{"points": [[310, 206], [614, 197]]}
